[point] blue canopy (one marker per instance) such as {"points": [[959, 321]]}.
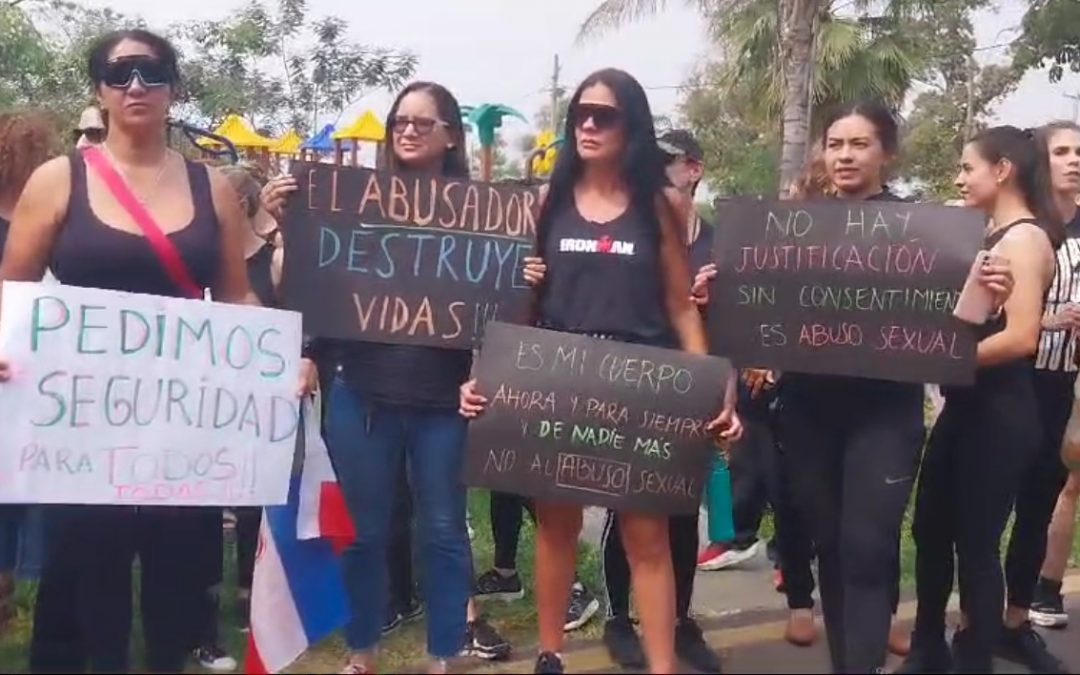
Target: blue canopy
{"points": [[324, 141]]}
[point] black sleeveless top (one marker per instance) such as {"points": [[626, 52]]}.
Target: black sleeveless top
{"points": [[1013, 374], [605, 278], [260, 276], [4, 225], [92, 254]]}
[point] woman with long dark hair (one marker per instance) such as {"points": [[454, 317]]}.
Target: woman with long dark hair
{"points": [[990, 432], [609, 182], [393, 403], [68, 220], [1055, 378], [851, 445], [1063, 145]]}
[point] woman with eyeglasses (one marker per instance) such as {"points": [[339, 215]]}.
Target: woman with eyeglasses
{"points": [[390, 402], [609, 183], [68, 220]]}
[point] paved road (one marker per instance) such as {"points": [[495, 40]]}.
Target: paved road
{"points": [[747, 629]]}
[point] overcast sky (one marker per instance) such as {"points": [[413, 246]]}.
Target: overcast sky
{"points": [[501, 51]]}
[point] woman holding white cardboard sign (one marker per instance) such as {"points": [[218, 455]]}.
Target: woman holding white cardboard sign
{"points": [[129, 215], [613, 265], [989, 432]]}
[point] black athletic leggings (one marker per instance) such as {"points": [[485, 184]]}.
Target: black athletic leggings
{"points": [[980, 446], [506, 518], [84, 605], [683, 538], [852, 458], [1039, 489]]}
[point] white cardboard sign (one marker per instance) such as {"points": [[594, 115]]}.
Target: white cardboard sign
{"points": [[123, 398]]}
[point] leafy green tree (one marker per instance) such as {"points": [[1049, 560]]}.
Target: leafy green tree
{"points": [[958, 97], [1050, 35], [280, 68]]}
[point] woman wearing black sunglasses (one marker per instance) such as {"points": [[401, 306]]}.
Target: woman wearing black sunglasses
{"points": [[69, 220], [608, 188]]}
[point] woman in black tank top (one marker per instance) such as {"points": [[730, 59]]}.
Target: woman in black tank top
{"points": [[68, 220], [988, 432], [616, 267]]}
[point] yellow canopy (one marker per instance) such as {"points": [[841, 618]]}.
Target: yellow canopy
{"points": [[289, 144], [366, 128], [240, 134]]}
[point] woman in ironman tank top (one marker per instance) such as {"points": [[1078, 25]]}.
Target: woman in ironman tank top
{"points": [[68, 220], [988, 432], [614, 265]]}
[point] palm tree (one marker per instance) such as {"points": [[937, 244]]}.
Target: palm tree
{"points": [[853, 59], [795, 39], [797, 52]]}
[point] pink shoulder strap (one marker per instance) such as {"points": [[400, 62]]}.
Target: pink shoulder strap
{"points": [[164, 248]]}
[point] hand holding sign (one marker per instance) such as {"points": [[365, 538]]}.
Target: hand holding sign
{"points": [[535, 269], [997, 276], [275, 194], [574, 418]]}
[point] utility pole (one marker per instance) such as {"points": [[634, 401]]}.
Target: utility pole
{"points": [[555, 97], [1076, 105]]}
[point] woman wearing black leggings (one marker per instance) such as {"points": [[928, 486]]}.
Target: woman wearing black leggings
{"points": [[1055, 377], [851, 445], [990, 431]]}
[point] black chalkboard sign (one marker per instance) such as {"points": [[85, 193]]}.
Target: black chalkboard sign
{"points": [[596, 422], [845, 288], [407, 259]]}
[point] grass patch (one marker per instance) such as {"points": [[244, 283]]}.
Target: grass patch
{"points": [[405, 648]]}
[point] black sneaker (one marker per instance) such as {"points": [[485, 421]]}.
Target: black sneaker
{"points": [[582, 607], [213, 657], [623, 644], [412, 611], [1048, 610], [691, 648], [927, 656], [484, 642], [393, 621], [493, 585], [549, 664], [967, 657], [1024, 646]]}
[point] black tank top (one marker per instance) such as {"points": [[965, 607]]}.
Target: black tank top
{"points": [[605, 278], [1001, 374], [90, 253], [260, 276]]}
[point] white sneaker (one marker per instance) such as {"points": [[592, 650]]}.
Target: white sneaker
{"points": [[731, 557], [212, 657]]}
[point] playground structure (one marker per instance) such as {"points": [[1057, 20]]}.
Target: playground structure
{"points": [[235, 139]]}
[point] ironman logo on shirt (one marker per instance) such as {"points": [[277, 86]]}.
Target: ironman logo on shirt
{"points": [[602, 245]]}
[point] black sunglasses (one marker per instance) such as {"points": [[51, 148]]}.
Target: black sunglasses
{"points": [[603, 116], [121, 73], [423, 125]]}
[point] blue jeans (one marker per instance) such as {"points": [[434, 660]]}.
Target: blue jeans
{"points": [[367, 441]]}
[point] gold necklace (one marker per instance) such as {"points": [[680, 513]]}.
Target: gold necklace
{"points": [[127, 176]]}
